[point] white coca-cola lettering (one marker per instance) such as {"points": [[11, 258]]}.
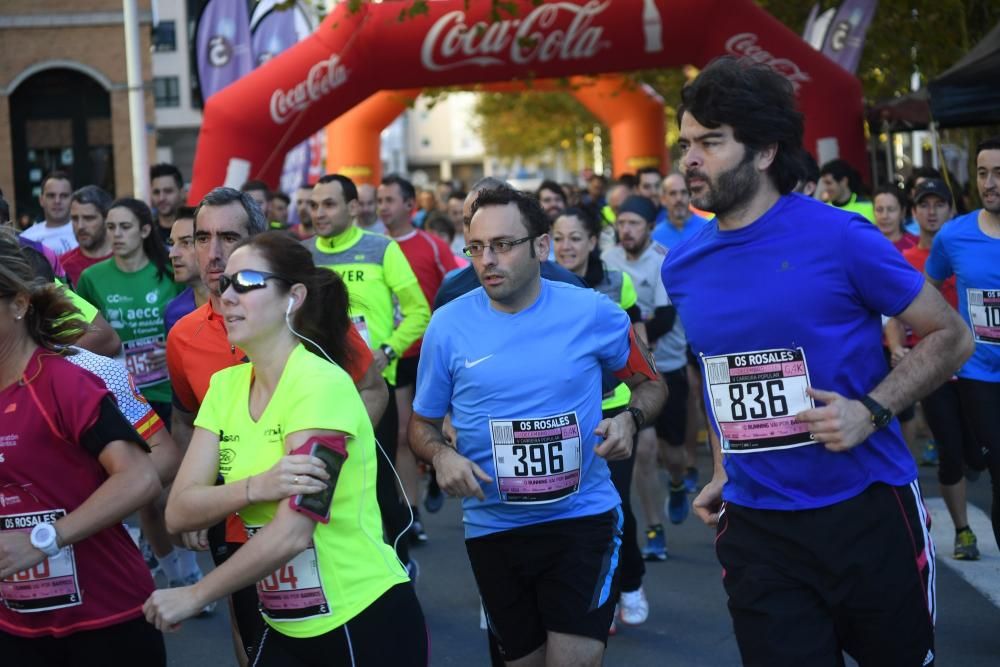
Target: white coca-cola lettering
{"points": [[323, 77], [520, 41], [744, 45]]}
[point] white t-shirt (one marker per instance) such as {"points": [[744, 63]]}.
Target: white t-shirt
{"points": [[670, 350], [60, 239]]}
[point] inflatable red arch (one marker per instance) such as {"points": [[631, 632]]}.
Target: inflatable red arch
{"points": [[250, 125]]}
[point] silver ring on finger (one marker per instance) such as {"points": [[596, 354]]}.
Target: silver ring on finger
{"points": [[295, 480]]}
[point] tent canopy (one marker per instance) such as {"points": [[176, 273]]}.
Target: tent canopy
{"points": [[965, 95]]}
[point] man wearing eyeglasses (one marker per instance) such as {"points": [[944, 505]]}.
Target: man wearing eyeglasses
{"points": [[518, 365]]}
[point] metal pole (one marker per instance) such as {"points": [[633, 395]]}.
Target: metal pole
{"points": [[136, 103]]}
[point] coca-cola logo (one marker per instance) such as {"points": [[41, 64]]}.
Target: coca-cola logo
{"points": [[450, 43], [324, 77], [744, 45]]}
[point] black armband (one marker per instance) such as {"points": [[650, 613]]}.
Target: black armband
{"points": [[111, 425], [661, 323]]}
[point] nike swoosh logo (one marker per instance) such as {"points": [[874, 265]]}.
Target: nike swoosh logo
{"points": [[470, 364]]}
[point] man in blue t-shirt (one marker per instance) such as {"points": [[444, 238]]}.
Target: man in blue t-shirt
{"points": [[518, 364], [968, 247], [822, 529], [675, 222]]}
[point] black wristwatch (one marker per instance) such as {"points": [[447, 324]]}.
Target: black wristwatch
{"points": [[637, 417], [389, 353], [881, 416]]}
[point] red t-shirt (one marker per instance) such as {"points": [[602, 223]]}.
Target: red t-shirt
{"points": [[198, 347], [46, 473], [74, 262], [430, 258], [906, 241], [917, 257]]}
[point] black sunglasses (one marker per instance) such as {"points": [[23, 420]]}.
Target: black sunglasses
{"points": [[247, 280]]}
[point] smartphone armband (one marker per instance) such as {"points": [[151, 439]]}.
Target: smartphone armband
{"points": [[332, 451]]}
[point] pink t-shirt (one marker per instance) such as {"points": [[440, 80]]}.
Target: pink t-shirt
{"points": [[46, 473]]}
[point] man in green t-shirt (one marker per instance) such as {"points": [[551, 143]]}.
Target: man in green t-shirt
{"points": [[132, 289], [374, 270]]}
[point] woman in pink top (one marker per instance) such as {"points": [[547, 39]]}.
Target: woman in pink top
{"points": [[890, 211]]}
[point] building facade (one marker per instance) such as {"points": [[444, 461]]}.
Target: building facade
{"points": [[64, 96]]}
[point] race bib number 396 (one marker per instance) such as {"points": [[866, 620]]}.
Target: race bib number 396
{"points": [[755, 397], [537, 460], [984, 314]]}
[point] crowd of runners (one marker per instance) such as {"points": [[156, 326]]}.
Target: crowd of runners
{"points": [[288, 397]]}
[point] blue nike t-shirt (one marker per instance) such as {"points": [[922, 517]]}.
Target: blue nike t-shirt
{"points": [[524, 391], [963, 250], [792, 300]]}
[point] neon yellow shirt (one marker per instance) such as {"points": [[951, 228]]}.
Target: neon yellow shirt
{"points": [[618, 287], [374, 269], [863, 208], [349, 566]]}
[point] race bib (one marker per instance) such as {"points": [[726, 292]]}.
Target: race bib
{"points": [[293, 592], [536, 460], [362, 327], [52, 584], [137, 360], [984, 314], [755, 397]]}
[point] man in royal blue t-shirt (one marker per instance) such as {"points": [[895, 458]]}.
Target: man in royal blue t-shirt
{"points": [[518, 364], [822, 534]]}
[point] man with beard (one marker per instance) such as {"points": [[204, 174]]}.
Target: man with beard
{"points": [[303, 229], [87, 209], [552, 198], [641, 257], [166, 189], [821, 526], [968, 247]]}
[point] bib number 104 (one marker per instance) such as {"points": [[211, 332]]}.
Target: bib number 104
{"points": [[758, 400], [538, 460]]}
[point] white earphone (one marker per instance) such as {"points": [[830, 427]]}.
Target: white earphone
{"points": [[291, 302]]}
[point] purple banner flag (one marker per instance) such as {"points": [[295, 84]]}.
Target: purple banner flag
{"points": [[222, 43], [845, 39], [275, 30]]}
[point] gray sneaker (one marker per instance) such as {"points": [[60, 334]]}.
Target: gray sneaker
{"points": [[966, 545]]}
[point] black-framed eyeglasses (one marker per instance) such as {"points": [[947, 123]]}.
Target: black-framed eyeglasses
{"points": [[498, 247], [247, 280]]}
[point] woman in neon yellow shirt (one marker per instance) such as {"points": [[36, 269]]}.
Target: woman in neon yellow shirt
{"points": [[331, 593]]}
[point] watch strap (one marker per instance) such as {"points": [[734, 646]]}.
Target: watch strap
{"points": [[637, 416], [881, 415]]}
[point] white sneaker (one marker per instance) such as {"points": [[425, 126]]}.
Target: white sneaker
{"points": [[633, 608]]}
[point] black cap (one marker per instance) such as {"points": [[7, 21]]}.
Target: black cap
{"points": [[931, 186], [639, 205]]}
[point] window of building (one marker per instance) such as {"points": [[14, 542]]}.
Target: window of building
{"points": [[166, 91], [165, 36]]}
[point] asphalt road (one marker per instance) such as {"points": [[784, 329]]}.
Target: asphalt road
{"points": [[688, 625]]}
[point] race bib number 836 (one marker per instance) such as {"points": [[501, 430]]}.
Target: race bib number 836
{"points": [[755, 397]]}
